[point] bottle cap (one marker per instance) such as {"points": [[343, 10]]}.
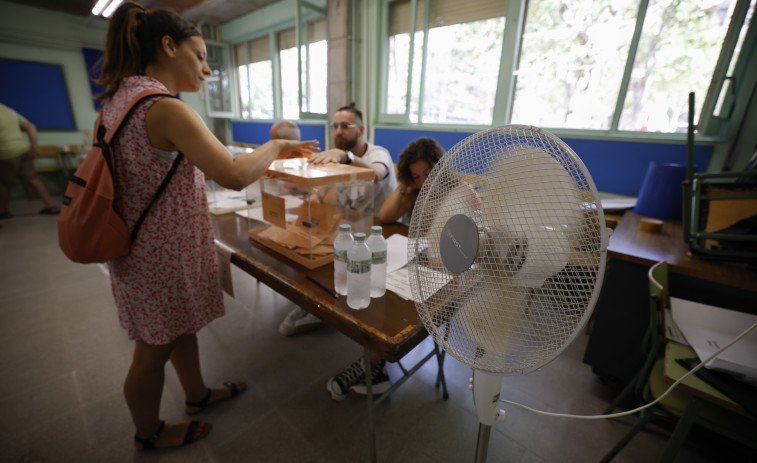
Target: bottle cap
{"points": [[376, 229], [345, 227], [359, 237]]}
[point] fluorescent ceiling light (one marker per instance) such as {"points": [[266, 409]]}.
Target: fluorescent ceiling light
{"points": [[111, 8], [99, 6]]}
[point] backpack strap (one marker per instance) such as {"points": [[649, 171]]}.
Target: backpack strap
{"points": [[104, 139]]}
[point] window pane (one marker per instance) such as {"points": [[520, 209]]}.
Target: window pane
{"points": [[721, 109], [289, 88], [461, 72], [314, 77], [244, 91], [572, 61], [677, 54], [396, 79], [261, 90]]}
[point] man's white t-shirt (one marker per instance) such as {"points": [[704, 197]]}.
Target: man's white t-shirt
{"points": [[358, 198]]}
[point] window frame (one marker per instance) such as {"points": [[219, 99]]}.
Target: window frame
{"points": [[711, 127]]}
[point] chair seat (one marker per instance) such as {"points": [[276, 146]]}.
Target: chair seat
{"points": [[710, 416]]}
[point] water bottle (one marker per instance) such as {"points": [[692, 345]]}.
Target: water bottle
{"points": [[359, 273], [377, 244], [342, 244]]}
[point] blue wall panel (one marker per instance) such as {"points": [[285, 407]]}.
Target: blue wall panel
{"points": [[616, 166], [259, 132]]}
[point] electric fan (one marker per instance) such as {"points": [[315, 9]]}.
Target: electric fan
{"points": [[506, 252]]}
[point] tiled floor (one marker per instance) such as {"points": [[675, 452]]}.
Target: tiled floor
{"points": [[64, 358]]}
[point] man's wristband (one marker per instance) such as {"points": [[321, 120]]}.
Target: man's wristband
{"points": [[349, 157]]}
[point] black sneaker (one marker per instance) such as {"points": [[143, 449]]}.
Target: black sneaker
{"points": [[340, 384], [380, 384]]}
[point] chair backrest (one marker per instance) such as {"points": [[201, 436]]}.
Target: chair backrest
{"points": [[658, 290], [48, 151]]}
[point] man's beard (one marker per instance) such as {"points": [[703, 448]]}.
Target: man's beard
{"points": [[346, 145]]}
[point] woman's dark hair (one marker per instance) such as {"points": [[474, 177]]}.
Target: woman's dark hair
{"points": [[133, 42], [425, 149]]}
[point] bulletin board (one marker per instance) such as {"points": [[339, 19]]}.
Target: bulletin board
{"points": [[38, 92]]}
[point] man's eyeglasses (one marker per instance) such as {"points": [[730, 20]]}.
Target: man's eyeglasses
{"points": [[344, 126]]}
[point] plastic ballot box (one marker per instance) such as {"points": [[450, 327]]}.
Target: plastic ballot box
{"points": [[305, 203]]}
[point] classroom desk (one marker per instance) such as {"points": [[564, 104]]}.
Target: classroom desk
{"points": [[630, 244], [388, 328], [620, 317]]}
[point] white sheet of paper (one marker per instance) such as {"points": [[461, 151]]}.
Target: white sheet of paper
{"points": [[224, 267], [399, 282], [708, 328], [396, 252], [617, 204]]}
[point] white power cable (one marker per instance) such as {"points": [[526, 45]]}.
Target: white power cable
{"points": [[631, 412]]}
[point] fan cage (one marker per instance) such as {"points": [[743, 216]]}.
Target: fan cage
{"points": [[541, 251]]}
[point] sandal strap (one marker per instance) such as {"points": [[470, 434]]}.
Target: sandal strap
{"points": [[149, 443], [233, 388], [200, 404]]}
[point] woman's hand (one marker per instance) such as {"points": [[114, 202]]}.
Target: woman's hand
{"points": [[294, 148], [408, 196]]}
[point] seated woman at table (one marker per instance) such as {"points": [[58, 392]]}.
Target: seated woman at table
{"points": [[415, 164]]}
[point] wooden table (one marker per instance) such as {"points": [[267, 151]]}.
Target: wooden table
{"points": [[388, 328], [633, 245], [620, 317]]}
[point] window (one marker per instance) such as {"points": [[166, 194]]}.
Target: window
{"points": [[452, 76], [268, 68], [594, 65], [677, 52], [571, 62], [255, 78]]}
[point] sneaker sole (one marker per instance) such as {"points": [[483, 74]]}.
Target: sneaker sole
{"points": [[333, 395], [379, 388]]}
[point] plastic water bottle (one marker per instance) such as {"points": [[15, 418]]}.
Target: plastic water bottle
{"points": [[342, 244], [359, 273], [377, 244]]}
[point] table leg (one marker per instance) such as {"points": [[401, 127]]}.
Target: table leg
{"points": [[369, 397]]}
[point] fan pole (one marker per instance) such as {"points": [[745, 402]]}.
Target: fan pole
{"points": [[482, 445], [486, 388]]}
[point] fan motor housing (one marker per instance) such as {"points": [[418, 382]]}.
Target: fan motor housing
{"points": [[458, 243]]}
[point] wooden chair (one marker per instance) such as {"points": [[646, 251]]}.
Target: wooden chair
{"points": [[49, 160], [679, 406]]}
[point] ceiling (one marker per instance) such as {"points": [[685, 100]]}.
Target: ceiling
{"points": [[214, 12]]}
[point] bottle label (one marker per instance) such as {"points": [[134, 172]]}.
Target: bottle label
{"points": [[340, 256], [378, 257], [359, 266]]}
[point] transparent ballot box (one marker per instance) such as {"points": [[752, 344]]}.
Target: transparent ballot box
{"points": [[223, 200], [305, 203]]}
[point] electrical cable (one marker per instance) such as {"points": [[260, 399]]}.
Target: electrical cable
{"points": [[638, 409]]}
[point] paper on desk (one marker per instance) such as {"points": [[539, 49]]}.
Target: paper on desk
{"points": [[708, 328], [256, 213], [399, 282], [396, 252], [617, 204], [225, 201]]}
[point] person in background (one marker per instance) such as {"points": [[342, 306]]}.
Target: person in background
{"points": [[298, 320], [17, 159], [167, 288], [414, 166], [285, 130], [348, 129]]}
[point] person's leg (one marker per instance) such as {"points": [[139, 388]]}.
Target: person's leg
{"points": [[29, 175], [185, 358], [143, 389], [5, 194]]}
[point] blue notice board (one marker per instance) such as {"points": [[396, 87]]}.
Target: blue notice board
{"points": [[38, 92]]}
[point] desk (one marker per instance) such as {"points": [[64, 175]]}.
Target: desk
{"points": [[630, 244], [620, 317], [389, 328]]}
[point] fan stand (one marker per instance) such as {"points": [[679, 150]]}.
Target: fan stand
{"points": [[486, 388]]}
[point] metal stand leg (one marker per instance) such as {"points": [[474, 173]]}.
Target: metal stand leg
{"points": [[440, 374], [369, 396], [482, 445]]}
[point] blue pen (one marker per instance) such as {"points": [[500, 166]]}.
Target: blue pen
{"points": [[322, 286]]}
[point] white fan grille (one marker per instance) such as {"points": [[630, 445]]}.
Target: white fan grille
{"points": [[540, 256]]}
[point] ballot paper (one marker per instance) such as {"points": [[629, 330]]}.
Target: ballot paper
{"points": [[396, 252], [399, 282], [708, 328]]}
